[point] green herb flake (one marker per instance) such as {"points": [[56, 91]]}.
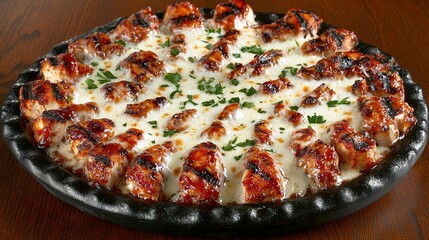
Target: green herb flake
{"points": [[261, 111], [236, 55], [174, 78], [247, 143], [234, 100], [210, 87], [248, 105], [90, 84], [169, 133], [316, 119], [190, 100], [153, 124], [238, 157], [230, 66], [165, 44], [294, 108], [209, 46], [174, 51], [94, 64], [335, 103], [164, 85], [208, 103], [234, 82], [296, 42], [288, 71], [192, 59], [120, 42], [230, 146], [125, 124], [249, 92], [255, 49]]}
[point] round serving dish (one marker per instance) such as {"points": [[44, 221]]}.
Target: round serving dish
{"points": [[223, 220]]}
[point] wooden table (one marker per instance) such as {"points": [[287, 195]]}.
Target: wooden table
{"points": [[28, 29]]}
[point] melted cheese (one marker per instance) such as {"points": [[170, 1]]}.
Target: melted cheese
{"points": [[242, 127]]}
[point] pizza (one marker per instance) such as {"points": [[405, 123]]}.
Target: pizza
{"points": [[217, 109]]}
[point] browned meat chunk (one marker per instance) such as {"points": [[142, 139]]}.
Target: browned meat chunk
{"points": [[40, 95], [262, 179], [94, 45], [382, 84], [182, 15], [294, 117], [142, 109], [296, 22], [329, 42], [137, 27], [147, 172], [320, 162], [132, 140], [239, 69], [318, 96], [264, 132], [178, 45], [143, 66], [63, 67], [275, 86], [354, 148], [215, 131], [300, 140], [202, 175], [181, 121], [50, 127], [106, 165], [122, 91], [233, 14], [229, 111], [264, 61], [84, 135]]}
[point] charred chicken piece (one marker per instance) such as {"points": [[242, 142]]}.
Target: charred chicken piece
{"points": [[318, 96], [137, 27], [94, 45], [132, 140], [178, 44], [202, 175], [239, 69], [142, 109], [122, 91], [275, 86], [181, 121], [295, 23], [354, 148], [143, 66], [229, 112], [182, 15], [266, 60], [293, 117], [63, 67], [262, 179], [263, 132], [215, 131], [329, 42], [382, 84], [300, 140], [147, 172], [234, 14]]}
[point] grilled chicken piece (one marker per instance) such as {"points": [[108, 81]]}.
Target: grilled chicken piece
{"points": [[63, 67], [239, 69], [320, 162], [264, 132], [132, 140], [234, 14], [51, 126], [300, 140], [275, 86], [147, 172], [329, 42], [294, 117], [137, 27], [262, 178], [181, 121], [84, 135], [264, 61], [215, 131], [122, 91], [106, 165], [229, 112], [143, 66], [182, 15], [40, 95], [178, 45], [295, 23], [318, 96], [202, 175], [381, 85], [220, 51], [344, 64], [94, 45], [354, 148], [142, 109], [386, 119]]}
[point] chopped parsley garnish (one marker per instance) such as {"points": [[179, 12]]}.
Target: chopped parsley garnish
{"points": [[335, 103], [69, 98], [212, 30], [236, 55], [169, 133], [208, 103], [317, 119], [234, 82], [164, 85], [248, 105], [255, 49], [165, 44], [238, 157], [118, 68], [90, 84], [174, 78], [234, 100], [261, 111], [230, 146], [294, 108], [288, 71], [230, 66], [247, 143], [174, 51], [222, 100], [94, 64], [209, 46], [105, 76], [125, 124], [190, 100], [281, 101], [153, 124], [209, 87], [120, 42], [192, 59], [249, 92], [296, 42]]}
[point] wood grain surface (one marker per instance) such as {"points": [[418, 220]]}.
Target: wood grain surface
{"points": [[28, 29]]}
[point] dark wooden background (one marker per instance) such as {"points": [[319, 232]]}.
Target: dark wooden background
{"points": [[28, 29]]}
